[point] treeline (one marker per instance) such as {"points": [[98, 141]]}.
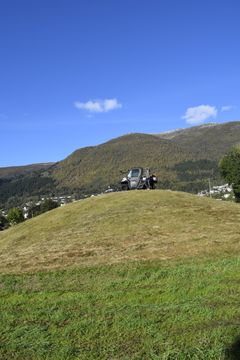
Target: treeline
{"points": [[197, 171], [46, 205], [202, 164], [15, 215], [16, 191]]}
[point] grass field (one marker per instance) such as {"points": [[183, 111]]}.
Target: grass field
{"points": [[162, 283], [147, 310]]}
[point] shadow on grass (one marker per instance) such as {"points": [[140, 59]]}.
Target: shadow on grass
{"points": [[233, 352]]}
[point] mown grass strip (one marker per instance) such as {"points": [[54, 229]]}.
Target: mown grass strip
{"points": [[145, 310]]}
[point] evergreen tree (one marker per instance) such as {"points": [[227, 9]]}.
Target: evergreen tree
{"points": [[3, 222], [230, 170], [47, 205]]}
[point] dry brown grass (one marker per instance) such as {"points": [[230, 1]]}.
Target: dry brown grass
{"points": [[121, 227]]}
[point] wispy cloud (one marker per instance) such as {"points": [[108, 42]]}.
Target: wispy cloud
{"points": [[98, 106], [227, 108], [198, 114]]}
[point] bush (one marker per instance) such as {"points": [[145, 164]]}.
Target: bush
{"points": [[15, 216]]}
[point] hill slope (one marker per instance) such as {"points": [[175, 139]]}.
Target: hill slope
{"points": [[122, 227], [209, 141], [183, 160], [181, 303], [12, 171], [101, 165]]}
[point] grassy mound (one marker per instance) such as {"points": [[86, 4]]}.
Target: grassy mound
{"points": [[161, 281], [137, 225]]}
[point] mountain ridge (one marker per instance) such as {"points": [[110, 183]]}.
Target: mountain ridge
{"points": [[183, 160], [8, 171]]}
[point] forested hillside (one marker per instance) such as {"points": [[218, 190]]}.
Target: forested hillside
{"points": [[102, 165], [183, 160], [11, 171], [209, 141]]}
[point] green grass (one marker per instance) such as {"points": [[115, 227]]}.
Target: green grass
{"points": [[135, 275], [121, 227], [146, 310]]}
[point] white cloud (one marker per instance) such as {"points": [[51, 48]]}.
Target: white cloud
{"points": [[98, 106], [198, 114], [227, 108]]}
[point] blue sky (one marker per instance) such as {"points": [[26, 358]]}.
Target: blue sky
{"points": [[76, 73]]}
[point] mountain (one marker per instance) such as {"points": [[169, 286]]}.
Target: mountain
{"points": [[97, 167], [22, 183], [208, 141], [12, 171], [183, 160]]}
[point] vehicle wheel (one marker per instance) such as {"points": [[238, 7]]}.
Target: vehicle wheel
{"points": [[125, 187]]}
